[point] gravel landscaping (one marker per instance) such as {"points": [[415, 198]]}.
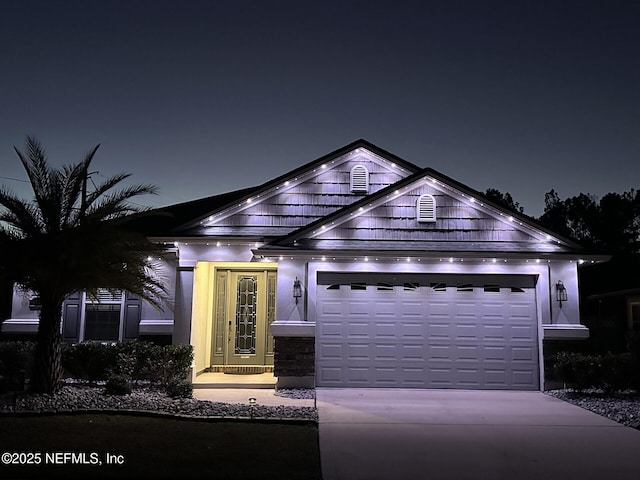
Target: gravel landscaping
{"points": [[73, 398], [623, 408]]}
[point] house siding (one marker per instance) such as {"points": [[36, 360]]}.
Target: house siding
{"points": [[295, 206]]}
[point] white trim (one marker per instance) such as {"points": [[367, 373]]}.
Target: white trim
{"points": [[155, 327], [281, 328], [20, 325], [565, 332]]}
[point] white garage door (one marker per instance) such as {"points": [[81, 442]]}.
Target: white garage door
{"points": [[426, 331]]}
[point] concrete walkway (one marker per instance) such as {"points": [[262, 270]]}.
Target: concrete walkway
{"points": [[263, 396], [370, 434]]}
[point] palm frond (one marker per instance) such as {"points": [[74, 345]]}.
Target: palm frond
{"points": [[22, 216], [115, 205]]}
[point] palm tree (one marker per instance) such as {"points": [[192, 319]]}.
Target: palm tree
{"points": [[67, 239]]}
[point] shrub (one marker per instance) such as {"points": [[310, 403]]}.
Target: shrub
{"points": [[16, 362], [89, 361], [179, 388], [609, 372], [618, 372], [118, 384], [575, 370], [137, 360]]}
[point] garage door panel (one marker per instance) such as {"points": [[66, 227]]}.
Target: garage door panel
{"points": [[385, 309], [525, 354], [412, 331], [466, 331], [440, 332], [522, 378], [522, 332], [386, 351], [410, 309], [385, 329], [428, 337], [468, 353], [330, 376], [412, 352], [358, 351], [331, 351], [439, 353], [359, 308], [495, 378], [492, 331], [331, 328], [495, 353], [359, 328]]}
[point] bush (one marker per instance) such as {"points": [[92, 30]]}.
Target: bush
{"points": [[118, 384], [179, 388], [159, 365], [16, 362], [610, 372], [90, 361], [575, 370], [119, 376]]}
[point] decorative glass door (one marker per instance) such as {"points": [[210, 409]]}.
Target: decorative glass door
{"points": [[246, 322]]}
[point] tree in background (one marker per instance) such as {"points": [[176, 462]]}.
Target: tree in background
{"points": [[503, 199], [67, 239], [611, 225]]}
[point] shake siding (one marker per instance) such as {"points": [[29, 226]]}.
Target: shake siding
{"points": [[302, 204], [455, 222]]}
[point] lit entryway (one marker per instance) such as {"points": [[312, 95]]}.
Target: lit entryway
{"points": [[426, 331]]}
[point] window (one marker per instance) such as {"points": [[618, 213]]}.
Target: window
{"points": [[411, 286], [426, 209], [465, 287], [102, 322], [102, 315], [359, 179]]}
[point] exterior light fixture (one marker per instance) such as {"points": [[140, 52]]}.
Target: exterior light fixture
{"points": [[252, 401], [561, 293], [297, 290]]}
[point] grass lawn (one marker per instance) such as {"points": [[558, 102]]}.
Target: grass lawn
{"points": [[158, 448]]}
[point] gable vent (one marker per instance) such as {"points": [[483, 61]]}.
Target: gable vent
{"points": [[360, 179], [426, 209]]}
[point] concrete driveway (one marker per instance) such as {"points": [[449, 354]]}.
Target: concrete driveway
{"points": [[385, 434]]}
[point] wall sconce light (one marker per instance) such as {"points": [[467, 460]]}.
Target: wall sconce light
{"points": [[561, 293], [297, 290]]}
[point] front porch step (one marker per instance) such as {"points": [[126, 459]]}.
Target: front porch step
{"points": [[241, 369], [226, 380]]}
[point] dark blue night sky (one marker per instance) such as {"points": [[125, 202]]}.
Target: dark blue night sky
{"points": [[203, 97]]}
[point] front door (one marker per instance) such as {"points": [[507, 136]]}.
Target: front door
{"points": [[244, 312]]}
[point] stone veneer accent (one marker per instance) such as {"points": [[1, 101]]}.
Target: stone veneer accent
{"points": [[294, 357]]}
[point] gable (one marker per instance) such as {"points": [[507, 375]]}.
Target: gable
{"points": [[390, 220], [306, 196]]}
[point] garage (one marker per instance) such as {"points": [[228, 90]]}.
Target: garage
{"points": [[426, 331]]}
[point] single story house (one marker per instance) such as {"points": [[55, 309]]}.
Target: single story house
{"points": [[357, 269]]}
